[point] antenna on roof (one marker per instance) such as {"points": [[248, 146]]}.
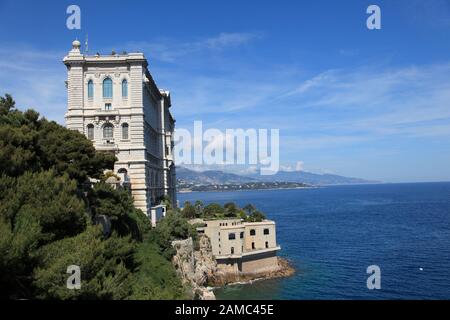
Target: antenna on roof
{"points": [[86, 45]]}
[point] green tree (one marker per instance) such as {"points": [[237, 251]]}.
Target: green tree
{"points": [[118, 206], [213, 210], [7, 104], [249, 208], [69, 151], [231, 209], [105, 266], [198, 208], [172, 227], [256, 216], [47, 215], [188, 210]]}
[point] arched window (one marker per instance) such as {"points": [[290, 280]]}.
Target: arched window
{"points": [[90, 131], [90, 89], [124, 88], [125, 131], [107, 88], [108, 131]]}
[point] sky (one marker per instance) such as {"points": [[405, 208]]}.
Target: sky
{"points": [[347, 100]]}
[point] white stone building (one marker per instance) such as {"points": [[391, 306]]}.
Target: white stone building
{"points": [[114, 101]]}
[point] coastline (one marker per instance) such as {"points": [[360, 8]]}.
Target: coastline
{"points": [[285, 270], [245, 190]]}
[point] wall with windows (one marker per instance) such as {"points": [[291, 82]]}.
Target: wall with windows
{"points": [[113, 100]]}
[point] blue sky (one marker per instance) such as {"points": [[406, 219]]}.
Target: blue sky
{"points": [[347, 100]]}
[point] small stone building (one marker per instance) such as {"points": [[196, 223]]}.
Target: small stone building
{"points": [[244, 247]]}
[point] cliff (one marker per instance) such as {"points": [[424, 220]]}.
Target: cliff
{"points": [[196, 268]]}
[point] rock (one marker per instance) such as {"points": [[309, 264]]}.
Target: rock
{"points": [[196, 268]]}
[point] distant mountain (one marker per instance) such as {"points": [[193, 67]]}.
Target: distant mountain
{"points": [[310, 178], [187, 176], [216, 177]]}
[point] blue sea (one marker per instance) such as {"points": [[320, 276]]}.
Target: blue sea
{"points": [[332, 234]]}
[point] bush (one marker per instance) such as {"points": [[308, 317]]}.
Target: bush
{"points": [[172, 227]]}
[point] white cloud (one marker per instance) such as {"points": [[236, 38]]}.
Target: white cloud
{"points": [[168, 50], [35, 79]]}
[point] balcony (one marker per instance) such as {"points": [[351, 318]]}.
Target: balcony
{"points": [[107, 145]]}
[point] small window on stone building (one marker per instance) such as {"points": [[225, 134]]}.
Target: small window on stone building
{"points": [[242, 235], [125, 131], [231, 236], [252, 232], [124, 88], [267, 244], [90, 131], [253, 245], [90, 89], [108, 106], [266, 231], [232, 250]]}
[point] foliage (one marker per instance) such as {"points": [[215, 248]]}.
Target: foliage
{"points": [[155, 278], [213, 210], [248, 213], [172, 227], [106, 266], [188, 210], [47, 218], [118, 206], [28, 143], [256, 216]]}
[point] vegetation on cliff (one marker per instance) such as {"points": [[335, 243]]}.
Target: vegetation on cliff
{"points": [[48, 214], [248, 213]]}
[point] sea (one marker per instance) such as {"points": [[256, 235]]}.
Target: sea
{"points": [[333, 234]]}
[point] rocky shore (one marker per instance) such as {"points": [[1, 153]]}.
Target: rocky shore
{"points": [[284, 270], [199, 272]]}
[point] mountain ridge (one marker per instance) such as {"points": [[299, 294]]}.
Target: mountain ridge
{"points": [[208, 177]]}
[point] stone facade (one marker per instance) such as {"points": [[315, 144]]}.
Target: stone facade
{"points": [[243, 247], [114, 101]]}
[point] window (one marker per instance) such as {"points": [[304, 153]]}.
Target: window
{"points": [[267, 244], [125, 131], [107, 88], [108, 106], [108, 131], [124, 88], [232, 250], [252, 232], [90, 131], [266, 231], [90, 89], [242, 235], [253, 245], [231, 236]]}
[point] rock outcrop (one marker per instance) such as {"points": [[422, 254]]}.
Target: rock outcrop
{"points": [[196, 268], [224, 277]]}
